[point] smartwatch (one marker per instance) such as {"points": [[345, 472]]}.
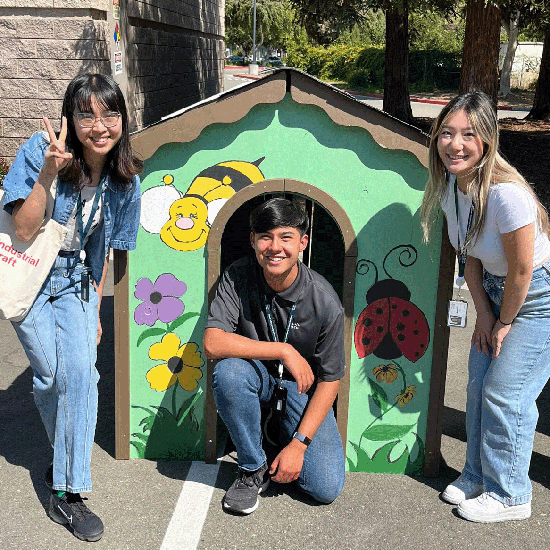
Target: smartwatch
{"points": [[301, 437]]}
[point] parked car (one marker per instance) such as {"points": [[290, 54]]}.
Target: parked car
{"points": [[272, 61], [235, 60]]}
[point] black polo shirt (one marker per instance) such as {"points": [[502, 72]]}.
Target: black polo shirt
{"points": [[317, 330]]}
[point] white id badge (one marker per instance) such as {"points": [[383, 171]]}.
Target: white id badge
{"points": [[457, 313]]}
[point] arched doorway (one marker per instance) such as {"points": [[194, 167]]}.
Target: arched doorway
{"points": [[331, 217]]}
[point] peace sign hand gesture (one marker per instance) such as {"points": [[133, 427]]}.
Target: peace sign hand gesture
{"points": [[56, 158]]}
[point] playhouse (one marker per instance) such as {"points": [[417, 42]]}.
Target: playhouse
{"points": [[360, 175]]}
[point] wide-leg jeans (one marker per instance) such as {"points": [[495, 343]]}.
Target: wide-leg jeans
{"points": [[241, 387], [59, 337], [501, 413]]}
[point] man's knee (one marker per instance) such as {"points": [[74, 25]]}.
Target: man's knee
{"points": [[232, 376], [328, 491]]}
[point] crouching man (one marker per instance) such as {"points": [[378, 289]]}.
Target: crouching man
{"points": [[276, 328]]}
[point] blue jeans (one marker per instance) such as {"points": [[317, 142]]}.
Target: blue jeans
{"points": [[241, 387], [59, 337], [501, 413]]}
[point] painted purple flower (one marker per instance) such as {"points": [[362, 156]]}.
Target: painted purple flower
{"points": [[160, 300]]}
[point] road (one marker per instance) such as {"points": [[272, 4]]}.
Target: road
{"points": [[232, 79]]}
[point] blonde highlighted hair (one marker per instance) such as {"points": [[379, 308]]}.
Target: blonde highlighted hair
{"points": [[491, 169]]}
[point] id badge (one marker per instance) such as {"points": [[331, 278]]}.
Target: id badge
{"points": [[457, 313], [85, 286], [279, 400]]}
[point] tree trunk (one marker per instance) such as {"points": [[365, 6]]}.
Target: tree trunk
{"points": [[396, 72], [512, 30], [541, 103], [480, 52]]}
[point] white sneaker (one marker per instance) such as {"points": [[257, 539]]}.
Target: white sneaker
{"points": [[486, 509], [461, 489]]}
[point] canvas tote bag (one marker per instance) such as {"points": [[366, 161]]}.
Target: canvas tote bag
{"points": [[24, 266]]}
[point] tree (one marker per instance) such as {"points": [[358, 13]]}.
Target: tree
{"points": [[481, 47], [510, 22], [273, 21], [541, 103]]}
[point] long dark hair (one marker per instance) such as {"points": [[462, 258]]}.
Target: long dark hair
{"points": [[121, 162]]}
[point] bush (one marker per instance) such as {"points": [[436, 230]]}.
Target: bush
{"points": [[3, 170]]}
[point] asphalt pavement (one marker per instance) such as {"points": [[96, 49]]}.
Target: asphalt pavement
{"points": [[152, 505]]}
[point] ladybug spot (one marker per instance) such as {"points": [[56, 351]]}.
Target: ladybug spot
{"points": [[394, 306], [401, 337], [406, 313], [415, 332], [422, 346], [379, 329], [400, 326], [365, 341], [368, 322], [379, 311], [416, 354]]}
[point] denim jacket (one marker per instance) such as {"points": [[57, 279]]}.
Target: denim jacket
{"points": [[121, 207]]}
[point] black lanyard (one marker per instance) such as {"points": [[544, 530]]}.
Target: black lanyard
{"points": [[81, 230], [272, 329], [462, 253]]}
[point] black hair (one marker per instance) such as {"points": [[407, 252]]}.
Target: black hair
{"points": [[121, 162], [278, 212]]}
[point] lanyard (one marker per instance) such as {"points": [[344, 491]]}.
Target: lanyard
{"points": [[462, 253], [84, 231], [273, 330]]}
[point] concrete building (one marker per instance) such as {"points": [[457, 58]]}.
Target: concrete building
{"points": [[165, 54]]}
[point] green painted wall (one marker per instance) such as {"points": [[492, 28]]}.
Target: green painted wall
{"points": [[379, 189]]}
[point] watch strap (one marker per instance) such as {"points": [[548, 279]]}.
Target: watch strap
{"points": [[302, 438]]}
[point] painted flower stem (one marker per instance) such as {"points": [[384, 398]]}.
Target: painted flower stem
{"points": [[381, 415], [195, 399], [174, 409]]}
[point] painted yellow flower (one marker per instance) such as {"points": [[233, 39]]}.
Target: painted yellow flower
{"points": [[406, 396], [182, 364], [389, 373]]}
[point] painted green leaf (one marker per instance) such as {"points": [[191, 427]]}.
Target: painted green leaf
{"points": [[379, 396], [386, 432], [148, 422], [143, 409], [362, 459], [140, 448], [141, 437], [148, 333], [180, 320]]}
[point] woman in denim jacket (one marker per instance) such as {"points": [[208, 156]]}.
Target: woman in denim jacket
{"points": [[98, 200], [500, 231]]}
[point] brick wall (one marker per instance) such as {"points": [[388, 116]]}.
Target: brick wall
{"points": [[173, 54]]}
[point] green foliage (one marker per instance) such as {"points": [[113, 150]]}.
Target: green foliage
{"points": [[371, 31], [429, 30]]}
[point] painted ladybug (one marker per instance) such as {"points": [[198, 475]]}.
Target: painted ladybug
{"points": [[391, 326]]}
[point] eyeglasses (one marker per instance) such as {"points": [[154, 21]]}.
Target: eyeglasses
{"points": [[86, 120]]}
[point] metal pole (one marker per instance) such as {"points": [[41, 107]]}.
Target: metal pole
{"points": [[254, 36]]}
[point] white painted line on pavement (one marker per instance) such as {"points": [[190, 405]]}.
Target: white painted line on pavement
{"points": [[185, 527]]}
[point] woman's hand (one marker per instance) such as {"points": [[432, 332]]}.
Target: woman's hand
{"points": [[483, 332], [56, 158], [498, 334]]}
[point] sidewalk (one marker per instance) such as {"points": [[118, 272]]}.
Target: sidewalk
{"points": [[149, 505]]}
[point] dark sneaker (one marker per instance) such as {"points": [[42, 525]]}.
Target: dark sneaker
{"points": [[48, 477], [242, 496], [71, 510]]}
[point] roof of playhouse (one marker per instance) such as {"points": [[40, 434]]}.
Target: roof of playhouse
{"points": [[186, 125]]}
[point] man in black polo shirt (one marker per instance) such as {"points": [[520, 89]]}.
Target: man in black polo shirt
{"points": [[276, 328]]}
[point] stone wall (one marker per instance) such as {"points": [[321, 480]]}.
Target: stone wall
{"points": [[172, 52]]}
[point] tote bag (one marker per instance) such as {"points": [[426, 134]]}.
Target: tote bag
{"points": [[24, 266]]}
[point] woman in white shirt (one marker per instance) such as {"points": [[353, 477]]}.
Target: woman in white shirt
{"points": [[500, 231]]}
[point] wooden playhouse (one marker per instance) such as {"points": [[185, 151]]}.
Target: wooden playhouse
{"points": [[360, 174]]}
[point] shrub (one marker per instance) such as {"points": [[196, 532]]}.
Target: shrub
{"points": [[3, 170]]}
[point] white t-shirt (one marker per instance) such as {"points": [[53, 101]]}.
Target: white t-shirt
{"points": [[509, 207], [72, 239]]}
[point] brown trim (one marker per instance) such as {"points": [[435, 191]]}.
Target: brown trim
{"points": [[232, 106], [122, 355], [213, 269], [228, 108], [439, 358]]}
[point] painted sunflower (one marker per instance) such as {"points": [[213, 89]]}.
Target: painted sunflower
{"points": [[182, 363], [389, 373], [406, 396]]}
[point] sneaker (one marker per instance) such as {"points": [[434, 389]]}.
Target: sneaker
{"points": [[242, 496], [71, 510], [461, 489], [486, 509], [48, 477]]}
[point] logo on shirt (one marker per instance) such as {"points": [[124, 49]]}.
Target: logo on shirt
{"points": [[294, 325]]}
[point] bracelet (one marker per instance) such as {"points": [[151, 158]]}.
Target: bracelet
{"points": [[503, 323]]}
